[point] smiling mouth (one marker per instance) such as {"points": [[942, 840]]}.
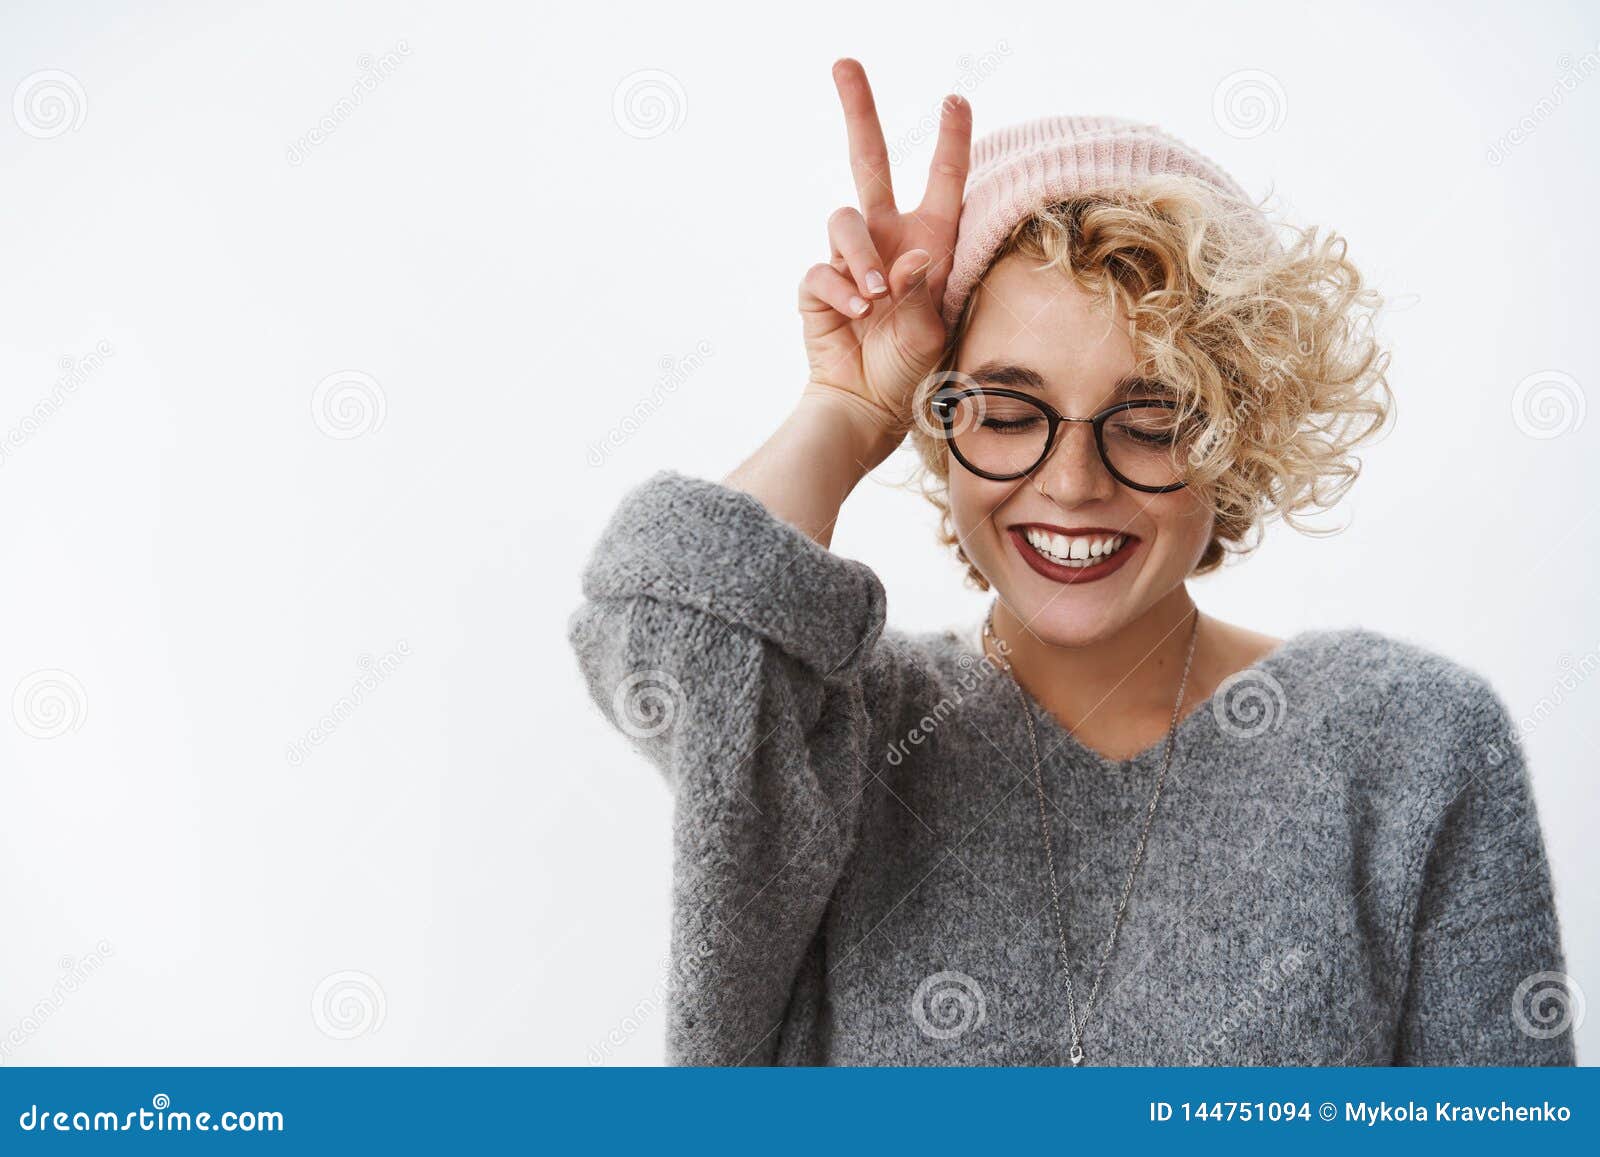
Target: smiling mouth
{"points": [[1083, 556]]}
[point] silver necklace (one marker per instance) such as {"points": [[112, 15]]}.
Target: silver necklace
{"points": [[1075, 1054]]}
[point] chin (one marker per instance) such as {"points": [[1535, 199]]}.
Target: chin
{"points": [[1063, 614], [1064, 621]]}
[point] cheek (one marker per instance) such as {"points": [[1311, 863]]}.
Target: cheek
{"points": [[1183, 521], [973, 503], [961, 501]]}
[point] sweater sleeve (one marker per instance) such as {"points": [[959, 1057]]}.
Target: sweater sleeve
{"points": [[729, 648], [1487, 983]]}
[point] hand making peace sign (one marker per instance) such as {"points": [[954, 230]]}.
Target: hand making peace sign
{"points": [[871, 316]]}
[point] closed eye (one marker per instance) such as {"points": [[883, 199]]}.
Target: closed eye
{"points": [[1010, 425]]}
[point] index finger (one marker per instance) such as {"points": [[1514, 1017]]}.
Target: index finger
{"points": [[869, 156]]}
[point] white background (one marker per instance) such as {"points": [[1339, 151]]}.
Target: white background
{"points": [[519, 257]]}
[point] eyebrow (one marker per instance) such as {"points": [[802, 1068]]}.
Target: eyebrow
{"points": [[1021, 377]]}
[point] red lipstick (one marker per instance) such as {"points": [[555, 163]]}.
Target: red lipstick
{"points": [[1072, 574]]}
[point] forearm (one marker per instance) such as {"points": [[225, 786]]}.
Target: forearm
{"points": [[731, 650], [811, 463]]}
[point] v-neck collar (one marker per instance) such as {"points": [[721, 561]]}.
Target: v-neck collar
{"points": [[1055, 737]]}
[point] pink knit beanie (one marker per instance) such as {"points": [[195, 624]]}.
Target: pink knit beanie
{"points": [[1017, 169]]}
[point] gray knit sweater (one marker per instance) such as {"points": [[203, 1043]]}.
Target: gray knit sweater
{"points": [[1346, 867]]}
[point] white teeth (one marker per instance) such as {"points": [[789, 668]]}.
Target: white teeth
{"points": [[1077, 551]]}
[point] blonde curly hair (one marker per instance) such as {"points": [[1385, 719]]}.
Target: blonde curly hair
{"points": [[1268, 347]]}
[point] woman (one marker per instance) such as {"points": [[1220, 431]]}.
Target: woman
{"points": [[1112, 829]]}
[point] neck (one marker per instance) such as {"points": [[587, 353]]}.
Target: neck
{"points": [[1122, 685]]}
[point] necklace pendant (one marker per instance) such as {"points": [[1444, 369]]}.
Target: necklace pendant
{"points": [[1076, 1054]]}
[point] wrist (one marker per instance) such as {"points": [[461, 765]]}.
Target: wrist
{"points": [[851, 424]]}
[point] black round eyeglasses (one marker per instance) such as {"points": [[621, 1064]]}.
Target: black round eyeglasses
{"points": [[1004, 434]]}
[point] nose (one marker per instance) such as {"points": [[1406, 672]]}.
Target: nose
{"points": [[1073, 472]]}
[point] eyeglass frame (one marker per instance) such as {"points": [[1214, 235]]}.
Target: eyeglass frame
{"points": [[943, 402]]}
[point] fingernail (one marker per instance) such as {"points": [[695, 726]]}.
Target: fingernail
{"points": [[875, 282], [858, 305]]}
